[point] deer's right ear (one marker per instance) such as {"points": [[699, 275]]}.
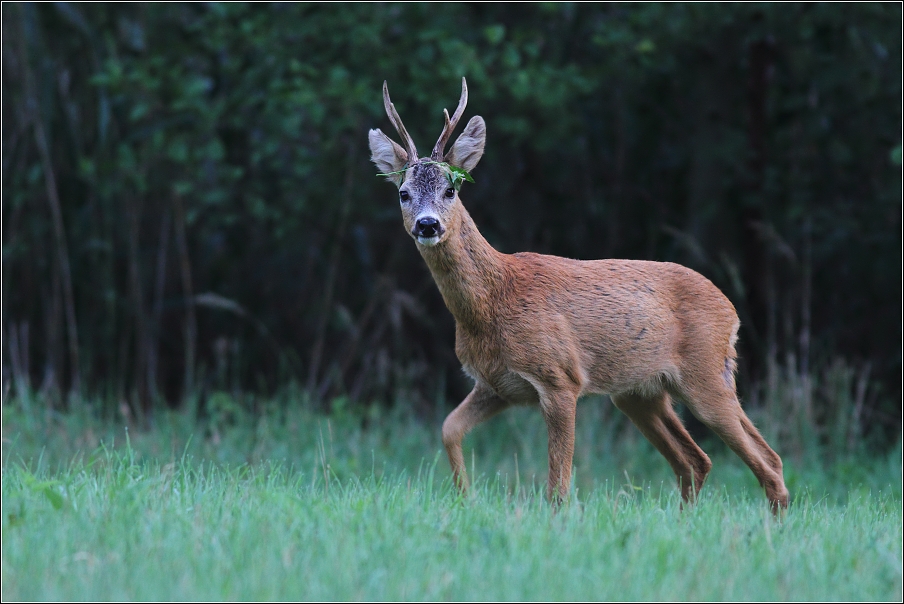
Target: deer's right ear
{"points": [[468, 148], [387, 155]]}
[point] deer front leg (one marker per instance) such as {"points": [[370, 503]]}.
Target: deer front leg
{"points": [[480, 405], [559, 412]]}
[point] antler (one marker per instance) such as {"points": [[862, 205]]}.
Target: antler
{"points": [[399, 126], [440, 145]]}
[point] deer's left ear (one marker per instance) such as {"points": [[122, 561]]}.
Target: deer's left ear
{"points": [[468, 148], [387, 155]]}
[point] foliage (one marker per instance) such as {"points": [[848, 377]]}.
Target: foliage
{"points": [[225, 232]]}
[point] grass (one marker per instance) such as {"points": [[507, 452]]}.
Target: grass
{"points": [[292, 505]]}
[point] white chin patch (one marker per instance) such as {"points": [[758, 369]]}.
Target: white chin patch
{"points": [[428, 241]]}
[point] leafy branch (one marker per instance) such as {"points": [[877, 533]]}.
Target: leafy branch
{"points": [[402, 171], [455, 174]]}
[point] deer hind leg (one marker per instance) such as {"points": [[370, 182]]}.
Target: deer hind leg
{"points": [[715, 403], [658, 422], [480, 405]]}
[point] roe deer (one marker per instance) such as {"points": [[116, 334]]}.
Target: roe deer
{"points": [[543, 330]]}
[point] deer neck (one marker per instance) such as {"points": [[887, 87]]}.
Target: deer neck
{"points": [[470, 274]]}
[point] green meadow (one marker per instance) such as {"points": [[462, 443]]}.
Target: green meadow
{"points": [[295, 505], [225, 366]]}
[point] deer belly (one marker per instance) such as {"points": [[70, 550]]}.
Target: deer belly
{"points": [[508, 385], [515, 389]]}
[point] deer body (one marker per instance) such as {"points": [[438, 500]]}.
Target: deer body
{"points": [[604, 326], [541, 330]]}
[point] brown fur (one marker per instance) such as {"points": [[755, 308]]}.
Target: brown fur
{"points": [[543, 330]]}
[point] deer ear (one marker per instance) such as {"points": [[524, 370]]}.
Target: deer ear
{"points": [[387, 155], [468, 148]]}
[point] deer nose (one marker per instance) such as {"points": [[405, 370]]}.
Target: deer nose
{"points": [[427, 227]]}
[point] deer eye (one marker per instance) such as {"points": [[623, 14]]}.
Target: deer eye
{"points": [[404, 196], [450, 193]]}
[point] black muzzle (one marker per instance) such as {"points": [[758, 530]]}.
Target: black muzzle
{"points": [[427, 227]]}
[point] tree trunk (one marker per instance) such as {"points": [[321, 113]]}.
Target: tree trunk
{"points": [[141, 329], [59, 232], [332, 272], [191, 325], [757, 268], [153, 352]]}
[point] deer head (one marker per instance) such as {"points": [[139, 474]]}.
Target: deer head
{"points": [[428, 188]]}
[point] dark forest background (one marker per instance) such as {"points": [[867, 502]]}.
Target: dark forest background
{"points": [[189, 209]]}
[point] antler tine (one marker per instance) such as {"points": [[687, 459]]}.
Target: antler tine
{"points": [[440, 146], [399, 126]]}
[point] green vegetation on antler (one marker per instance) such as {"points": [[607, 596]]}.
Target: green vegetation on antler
{"points": [[455, 174]]}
